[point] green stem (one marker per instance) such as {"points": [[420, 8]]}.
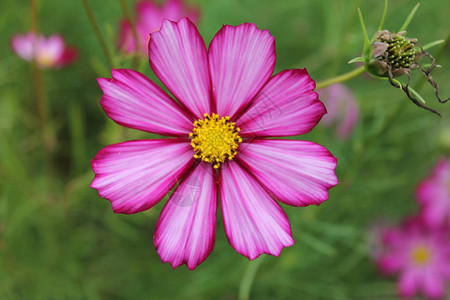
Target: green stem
{"points": [[38, 88], [130, 20], [97, 32], [247, 280], [340, 78]]}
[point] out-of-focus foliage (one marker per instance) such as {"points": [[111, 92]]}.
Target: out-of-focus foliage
{"points": [[58, 240]]}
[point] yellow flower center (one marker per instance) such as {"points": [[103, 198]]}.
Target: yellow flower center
{"points": [[45, 59], [215, 139], [421, 255]]}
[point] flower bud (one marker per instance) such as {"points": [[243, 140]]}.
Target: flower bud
{"points": [[392, 50]]}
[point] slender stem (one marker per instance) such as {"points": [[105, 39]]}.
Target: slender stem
{"points": [[97, 32], [136, 37], [247, 280], [38, 87], [340, 78], [34, 16], [36, 71], [380, 27]]}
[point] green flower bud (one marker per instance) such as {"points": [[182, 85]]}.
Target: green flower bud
{"points": [[391, 50]]}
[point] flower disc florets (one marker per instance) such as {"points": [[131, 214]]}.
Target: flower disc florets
{"points": [[394, 51], [215, 139]]}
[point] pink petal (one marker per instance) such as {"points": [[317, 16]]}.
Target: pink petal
{"points": [[442, 170], [147, 9], [434, 286], [298, 173], [126, 38], [69, 56], [390, 264], [173, 10], [409, 283], [287, 105], [436, 214], [254, 222], [241, 60], [23, 45], [434, 195], [178, 57], [136, 175], [53, 46], [134, 101], [343, 110], [150, 17], [186, 228]]}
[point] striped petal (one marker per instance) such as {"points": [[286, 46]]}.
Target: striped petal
{"points": [[241, 60], [133, 100], [186, 228], [297, 173], [254, 222], [136, 175], [178, 57], [287, 105]]}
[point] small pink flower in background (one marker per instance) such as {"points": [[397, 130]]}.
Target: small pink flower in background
{"points": [[149, 17], [433, 194], [420, 256], [342, 109], [50, 52], [228, 104]]}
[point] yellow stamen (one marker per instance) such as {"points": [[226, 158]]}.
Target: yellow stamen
{"points": [[421, 255], [215, 139]]}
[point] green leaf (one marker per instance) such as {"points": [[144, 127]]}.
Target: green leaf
{"points": [[432, 44], [418, 96], [409, 18], [356, 59], [426, 66], [363, 26]]}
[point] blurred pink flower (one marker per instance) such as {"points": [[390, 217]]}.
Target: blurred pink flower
{"points": [[433, 194], [149, 17], [49, 52], [342, 109], [420, 256], [228, 104]]}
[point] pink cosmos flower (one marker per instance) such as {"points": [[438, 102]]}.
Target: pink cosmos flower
{"points": [[420, 256], [149, 17], [434, 195], [227, 106], [342, 108], [49, 52]]}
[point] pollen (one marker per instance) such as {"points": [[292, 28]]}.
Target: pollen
{"points": [[421, 255], [215, 139]]}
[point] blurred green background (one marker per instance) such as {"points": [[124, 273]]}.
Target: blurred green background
{"points": [[59, 240]]}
